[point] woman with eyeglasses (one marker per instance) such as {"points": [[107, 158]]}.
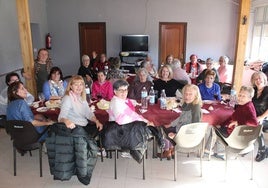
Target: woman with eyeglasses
{"points": [[210, 66], [124, 121], [122, 109]]}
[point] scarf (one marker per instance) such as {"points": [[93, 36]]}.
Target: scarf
{"points": [[56, 89]]}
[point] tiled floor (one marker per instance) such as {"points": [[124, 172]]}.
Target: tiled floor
{"points": [[158, 173]]}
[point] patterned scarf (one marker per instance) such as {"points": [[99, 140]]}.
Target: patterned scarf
{"points": [[56, 89]]}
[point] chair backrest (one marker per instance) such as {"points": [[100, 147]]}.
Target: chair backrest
{"points": [[22, 133], [3, 121], [190, 135], [243, 136]]}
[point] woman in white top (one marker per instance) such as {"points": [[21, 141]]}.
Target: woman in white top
{"points": [[10, 78], [74, 107], [225, 73]]}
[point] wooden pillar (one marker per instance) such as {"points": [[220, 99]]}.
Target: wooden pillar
{"points": [[26, 43], [242, 33]]}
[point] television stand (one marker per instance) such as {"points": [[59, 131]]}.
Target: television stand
{"points": [[132, 60]]}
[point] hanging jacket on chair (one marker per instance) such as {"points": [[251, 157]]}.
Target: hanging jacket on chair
{"points": [[131, 136], [71, 152]]}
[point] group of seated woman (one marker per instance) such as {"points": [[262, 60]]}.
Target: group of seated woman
{"points": [[76, 112]]}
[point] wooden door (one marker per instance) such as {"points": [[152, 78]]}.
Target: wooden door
{"points": [[172, 40], [92, 37]]}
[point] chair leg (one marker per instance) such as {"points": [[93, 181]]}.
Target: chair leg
{"points": [[143, 168], [201, 167], [14, 159], [115, 170], [40, 159], [30, 153], [154, 148], [226, 158], [201, 156], [101, 148], [161, 154], [252, 156], [175, 165]]}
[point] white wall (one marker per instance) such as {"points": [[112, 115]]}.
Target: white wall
{"points": [[10, 51], [211, 29], [38, 16]]}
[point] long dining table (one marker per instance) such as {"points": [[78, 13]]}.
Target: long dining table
{"points": [[214, 113]]}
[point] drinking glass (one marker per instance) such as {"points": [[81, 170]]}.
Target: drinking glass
{"points": [[216, 96], [41, 98], [156, 96], [99, 96]]}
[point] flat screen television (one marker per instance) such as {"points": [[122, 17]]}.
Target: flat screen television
{"points": [[135, 43]]}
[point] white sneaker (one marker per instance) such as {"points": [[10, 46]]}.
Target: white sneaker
{"points": [[126, 155]]}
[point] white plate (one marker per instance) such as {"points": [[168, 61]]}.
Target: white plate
{"points": [[42, 109], [208, 101], [53, 103], [103, 104], [204, 111]]}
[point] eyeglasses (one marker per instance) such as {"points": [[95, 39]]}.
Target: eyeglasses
{"points": [[122, 90]]}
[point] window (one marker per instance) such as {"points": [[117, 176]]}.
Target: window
{"points": [[260, 35]]}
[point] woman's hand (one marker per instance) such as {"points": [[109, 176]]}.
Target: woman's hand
{"points": [[233, 124], [150, 123], [167, 125], [69, 124], [88, 78], [50, 122], [99, 125]]}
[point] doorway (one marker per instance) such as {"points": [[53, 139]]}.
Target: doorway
{"points": [[172, 40], [92, 37]]}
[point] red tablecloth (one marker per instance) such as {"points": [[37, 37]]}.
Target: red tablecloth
{"points": [[158, 116], [163, 117], [50, 113]]}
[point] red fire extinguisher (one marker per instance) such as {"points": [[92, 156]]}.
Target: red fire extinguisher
{"points": [[48, 41]]}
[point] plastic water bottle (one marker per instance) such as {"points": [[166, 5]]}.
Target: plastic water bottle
{"points": [[144, 101], [193, 72], [163, 100], [87, 94], [232, 102], [151, 96]]}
